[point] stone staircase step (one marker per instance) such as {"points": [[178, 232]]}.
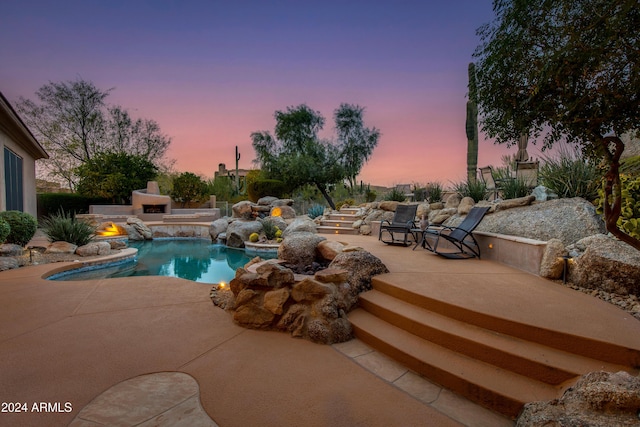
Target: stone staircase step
{"points": [[518, 355], [325, 229], [349, 211], [489, 385], [343, 217]]}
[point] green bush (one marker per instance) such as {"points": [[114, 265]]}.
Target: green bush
{"points": [[5, 229], [434, 192], [370, 196], [50, 203], [315, 211], [395, 195], [569, 175], [23, 227], [514, 188], [64, 227], [631, 166], [476, 189], [629, 220], [266, 187]]}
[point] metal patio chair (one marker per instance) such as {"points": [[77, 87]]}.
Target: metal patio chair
{"points": [[403, 222]]}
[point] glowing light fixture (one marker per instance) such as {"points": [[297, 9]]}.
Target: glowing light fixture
{"points": [[276, 211], [110, 230]]}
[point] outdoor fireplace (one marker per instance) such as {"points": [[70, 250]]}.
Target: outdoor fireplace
{"points": [[154, 209]]}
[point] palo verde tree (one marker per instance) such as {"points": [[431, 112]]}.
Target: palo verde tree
{"points": [[564, 70], [74, 124], [356, 142], [296, 155]]}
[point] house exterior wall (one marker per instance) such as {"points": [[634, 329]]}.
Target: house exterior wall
{"points": [[28, 179]]}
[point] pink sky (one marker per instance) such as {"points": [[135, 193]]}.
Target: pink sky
{"points": [[211, 72]]}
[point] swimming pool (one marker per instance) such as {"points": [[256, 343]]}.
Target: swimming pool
{"points": [[193, 259]]}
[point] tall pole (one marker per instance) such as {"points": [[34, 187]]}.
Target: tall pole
{"points": [[237, 174]]}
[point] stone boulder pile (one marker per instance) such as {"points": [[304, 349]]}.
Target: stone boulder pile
{"points": [[599, 399], [267, 295]]}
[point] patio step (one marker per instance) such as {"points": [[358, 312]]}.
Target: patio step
{"points": [[495, 362], [339, 222]]}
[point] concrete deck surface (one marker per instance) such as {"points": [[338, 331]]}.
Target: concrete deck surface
{"points": [[70, 342]]}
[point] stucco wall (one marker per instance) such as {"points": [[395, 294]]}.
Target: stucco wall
{"points": [[28, 179]]}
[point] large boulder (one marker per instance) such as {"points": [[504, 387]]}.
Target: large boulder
{"points": [[61, 248], [607, 264], [299, 248], [599, 399], [139, 227], [239, 231], [362, 266], [11, 249], [8, 263], [301, 224], [94, 248], [568, 220], [389, 205], [218, 227], [243, 210]]}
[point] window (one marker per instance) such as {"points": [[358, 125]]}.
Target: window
{"points": [[13, 180]]}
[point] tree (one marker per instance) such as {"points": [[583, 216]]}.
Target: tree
{"points": [[188, 188], [563, 70], [355, 141], [74, 124], [297, 156], [115, 176]]}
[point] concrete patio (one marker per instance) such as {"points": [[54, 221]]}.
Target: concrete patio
{"points": [[70, 342]]}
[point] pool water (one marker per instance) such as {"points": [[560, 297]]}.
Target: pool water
{"points": [[193, 259]]}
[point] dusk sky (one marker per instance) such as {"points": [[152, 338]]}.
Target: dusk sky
{"points": [[212, 72]]}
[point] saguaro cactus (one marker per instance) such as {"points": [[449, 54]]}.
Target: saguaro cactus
{"points": [[472, 126]]}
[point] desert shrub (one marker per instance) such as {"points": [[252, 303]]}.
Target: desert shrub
{"points": [[434, 192], [348, 202], [5, 229], [514, 188], [315, 211], [420, 193], [65, 227], [475, 189], [23, 226], [629, 220], [631, 166], [270, 228], [221, 187], [370, 195], [569, 175], [395, 195]]}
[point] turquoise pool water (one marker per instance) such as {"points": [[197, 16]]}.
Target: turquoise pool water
{"points": [[192, 259]]}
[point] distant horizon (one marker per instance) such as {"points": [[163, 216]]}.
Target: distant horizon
{"points": [[212, 73]]}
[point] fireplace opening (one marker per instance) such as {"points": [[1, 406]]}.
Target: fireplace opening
{"points": [[153, 209]]}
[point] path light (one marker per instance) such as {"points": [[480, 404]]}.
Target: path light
{"points": [[276, 211], [565, 266], [222, 286]]}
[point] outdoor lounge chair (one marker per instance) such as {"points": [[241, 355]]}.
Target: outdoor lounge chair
{"points": [[403, 222], [459, 242]]}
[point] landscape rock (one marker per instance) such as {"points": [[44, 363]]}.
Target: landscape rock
{"points": [[217, 227], [423, 209], [552, 264], [11, 249], [285, 211], [132, 233], [8, 263], [362, 266], [389, 205], [299, 248], [568, 220], [140, 227], [465, 205], [365, 230], [94, 248], [542, 194], [61, 248], [607, 264], [243, 210], [514, 203], [266, 200], [239, 231], [328, 249], [598, 399], [282, 202], [301, 224], [117, 244], [453, 201]]}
